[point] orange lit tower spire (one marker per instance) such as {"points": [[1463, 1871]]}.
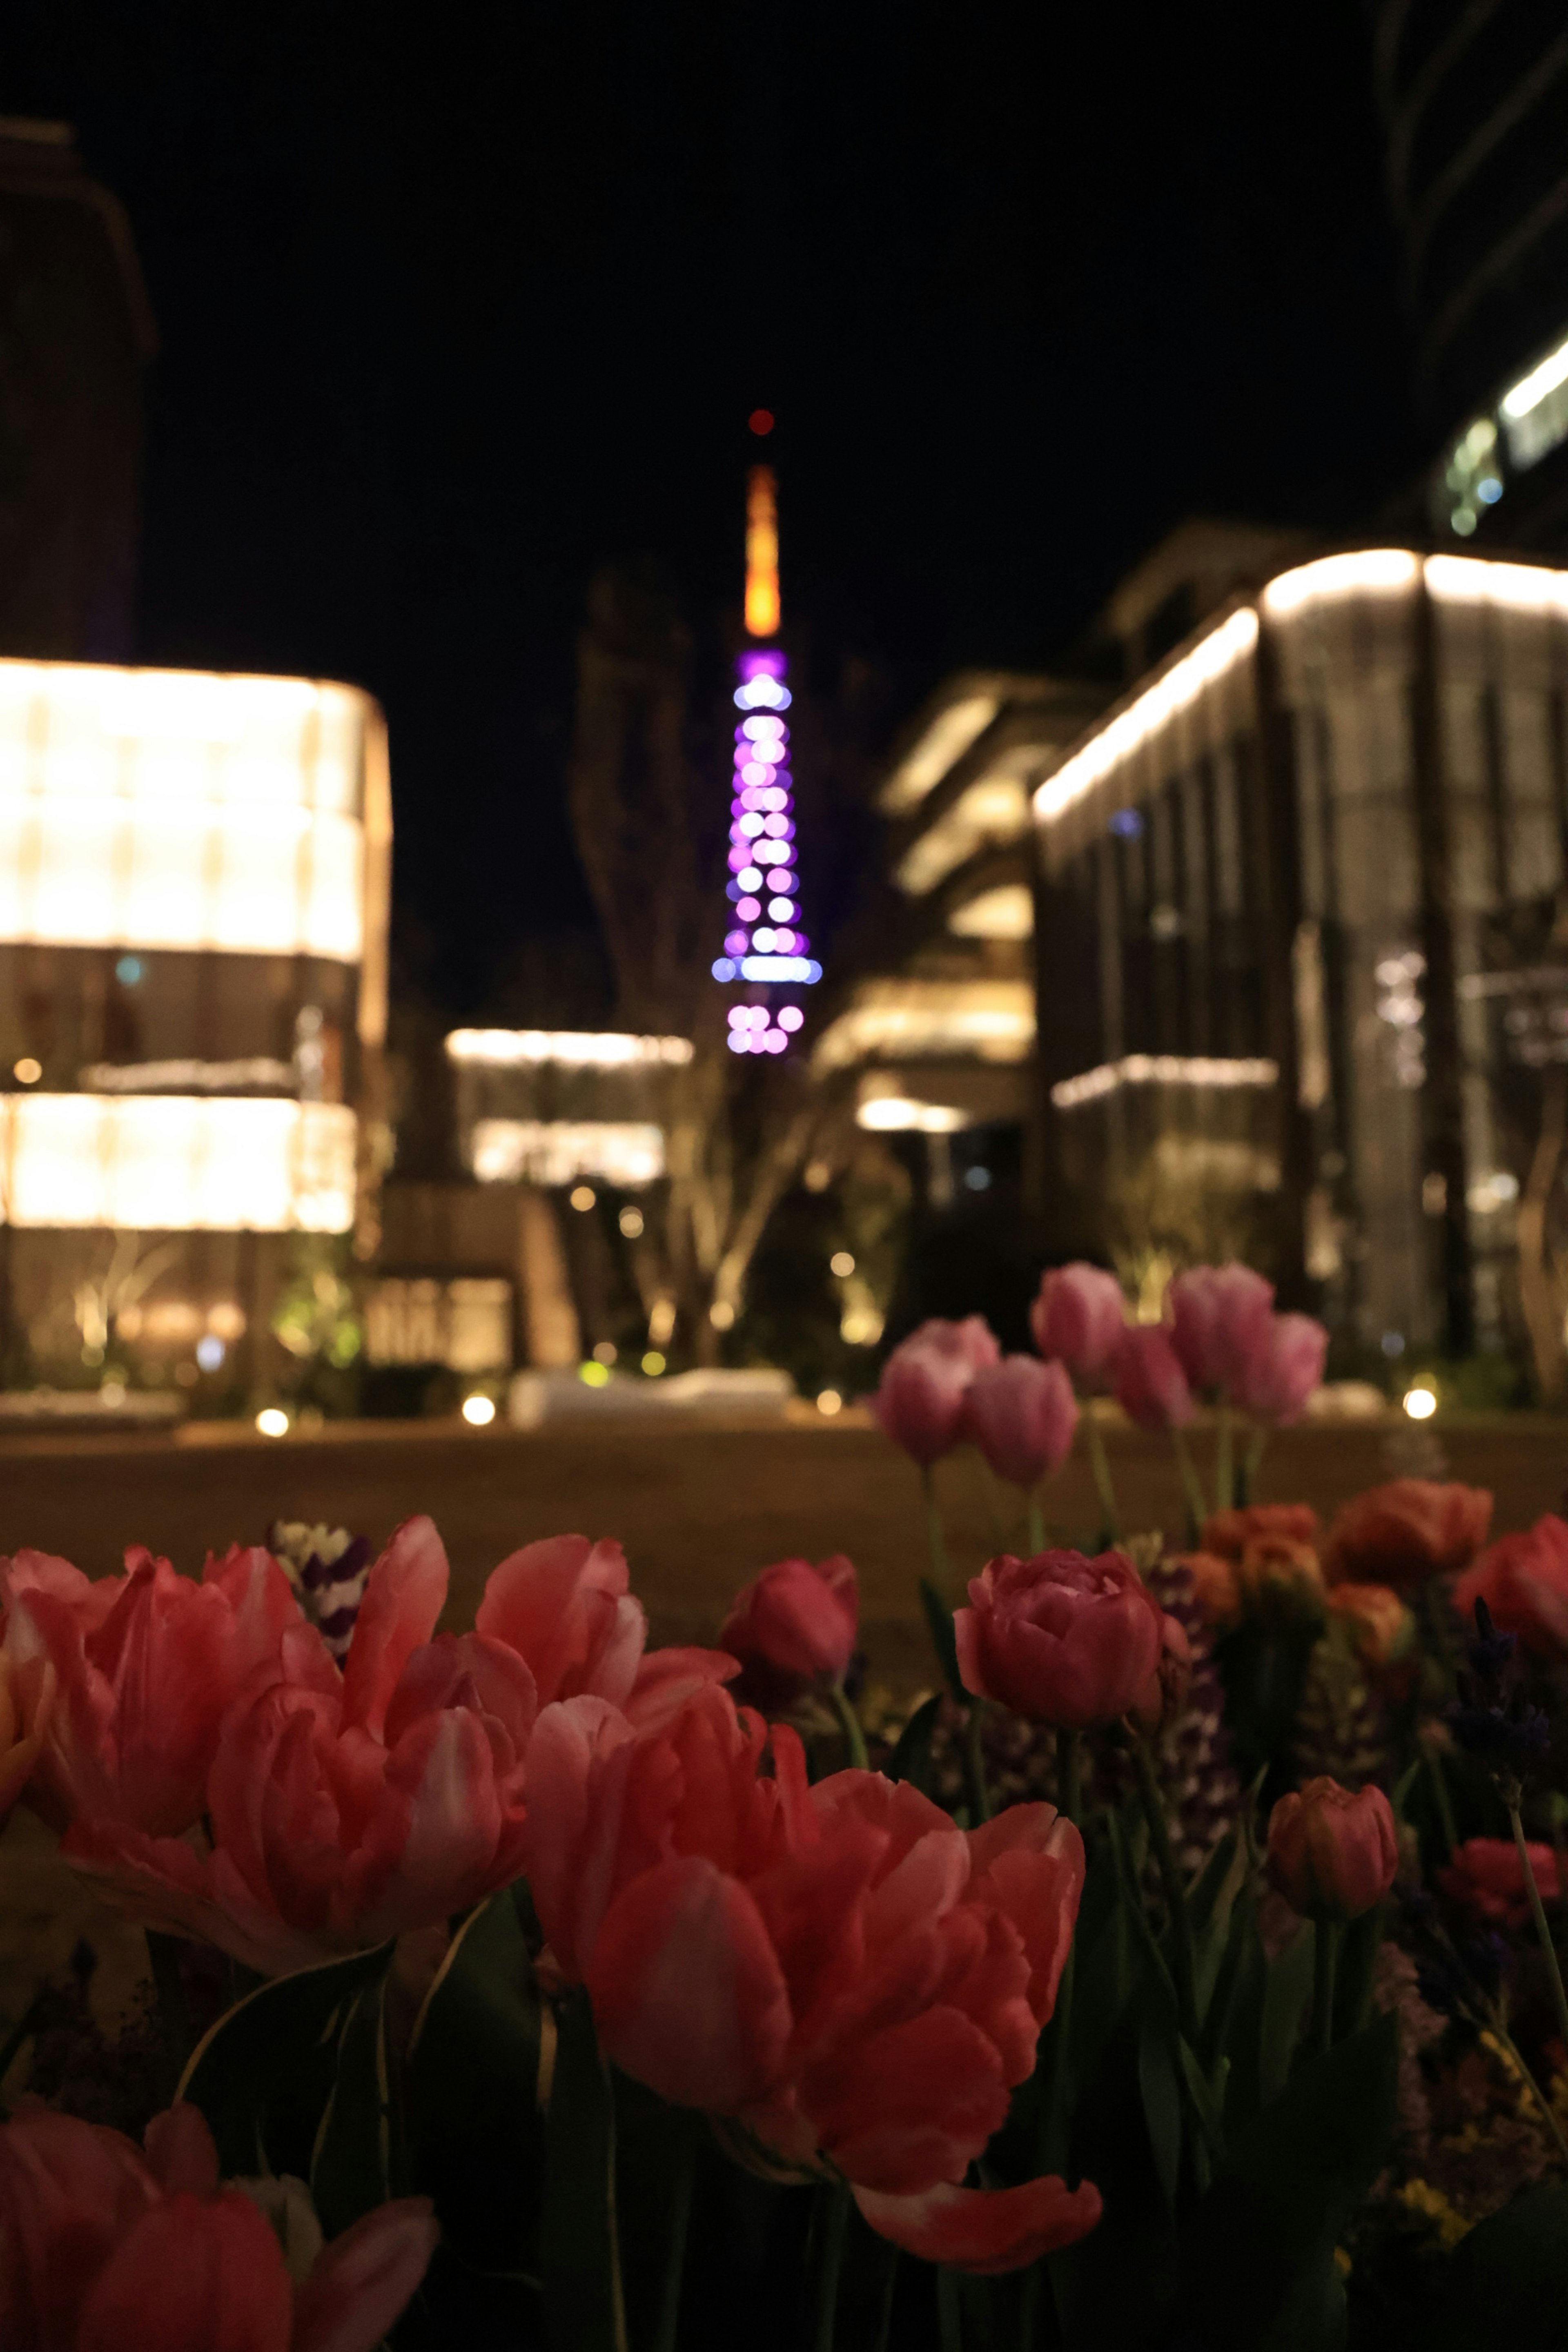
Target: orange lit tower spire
{"points": [[764, 949]]}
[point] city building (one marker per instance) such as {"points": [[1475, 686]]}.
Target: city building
{"points": [[76, 336], [1299, 954], [194, 879], [1475, 107]]}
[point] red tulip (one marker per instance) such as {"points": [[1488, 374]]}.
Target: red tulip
{"points": [[792, 1626], [564, 1607], [106, 2249], [1022, 1416], [920, 1402], [1284, 1367], [346, 1810], [1332, 1854], [1401, 1533], [839, 1970], [1218, 1314], [25, 1705], [1079, 1318], [1523, 1580], [985, 2231], [1151, 1387], [1060, 1639], [144, 1666], [1381, 1627], [1485, 1879]]}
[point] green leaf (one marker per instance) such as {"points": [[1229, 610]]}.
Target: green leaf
{"points": [[580, 2256], [911, 1760], [1286, 1993], [1206, 2107], [1210, 1907], [271, 2054], [1359, 1942], [939, 1618], [1161, 2089], [470, 2088], [1296, 2176], [351, 2170], [1507, 2282]]}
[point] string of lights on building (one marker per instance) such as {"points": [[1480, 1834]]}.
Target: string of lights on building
{"points": [[765, 947]]}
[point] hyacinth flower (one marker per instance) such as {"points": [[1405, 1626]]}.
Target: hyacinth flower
{"points": [[327, 1568]]}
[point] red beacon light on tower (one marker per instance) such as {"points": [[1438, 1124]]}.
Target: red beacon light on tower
{"points": [[765, 946]]}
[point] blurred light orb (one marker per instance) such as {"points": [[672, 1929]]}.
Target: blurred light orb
{"points": [[1420, 1403], [653, 1363], [605, 1351], [593, 1374], [829, 1401], [630, 1222], [479, 1412], [722, 1315], [27, 1072], [582, 1196], [761, 421], [210, 1351], [841, 1264], [272, 1421], [791, 1018]]}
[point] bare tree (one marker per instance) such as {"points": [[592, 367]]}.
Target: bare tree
{"points": [[737, 1130]]}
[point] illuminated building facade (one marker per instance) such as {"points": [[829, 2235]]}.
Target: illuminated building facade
{"points": [[1475, 107], [766, 951], [193, 877], [1297, 938]]}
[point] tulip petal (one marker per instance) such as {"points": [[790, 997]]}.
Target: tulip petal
{"points": [[666, 1679], [985, 2230], [195, 2274], [911, 2105], [562, 1604], [403, 1595], [687, 1993], [181, 2152], [363, 2279]]}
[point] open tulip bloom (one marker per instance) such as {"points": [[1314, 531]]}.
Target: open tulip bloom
{"points": [[555, 1994]]}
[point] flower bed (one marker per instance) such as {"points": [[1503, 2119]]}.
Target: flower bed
{"points": [[1179, 1968]]}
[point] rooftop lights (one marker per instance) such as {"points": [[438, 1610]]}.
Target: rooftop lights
{"points": [[992, 809], [762, 553], [581, 1049], [903, 1115], [1210, 659], [984, 1020], [1369, 571], [1163, 1070], [1520, 587], [1006, 912]]}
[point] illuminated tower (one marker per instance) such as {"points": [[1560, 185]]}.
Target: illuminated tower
{"points": [[766, 951]]}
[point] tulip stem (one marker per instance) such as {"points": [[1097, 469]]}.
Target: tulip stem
{"points": [[1109, 1531], [1539, 1911], [1069, 1758], [950, 2326], [1225, 1464], [1325, 1958], [849, 1724], [1255, 1454], [1197, 1509], [1184, 1968], [833, 2215], [1449, 1827], [1036, 1524], [979, 1795], [940, 1571], [885, 2302], [685, 2166]]}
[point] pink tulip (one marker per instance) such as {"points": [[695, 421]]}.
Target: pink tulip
{"points": [[792, 1626], [920, 1401], [1217, 1316], [1022, 1416], [1151, 1386], [837, 1970], [563, 1605], [1079, 1318], [1332, 1854], [345, 1810], [144, 1666], [1061, 1639], [1284, 1368], [106, 2249], [1523, 1580]]}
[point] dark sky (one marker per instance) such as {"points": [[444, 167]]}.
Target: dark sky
{"points": [[456, 302]]}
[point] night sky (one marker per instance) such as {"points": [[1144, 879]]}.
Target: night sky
{"points": [[457, 303]]}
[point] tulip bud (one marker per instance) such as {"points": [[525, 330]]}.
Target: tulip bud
{"points": [[1332, 1853], [792, 1626], [1060, 1639], [925, 1383], [1022, 1416], [1078, 1320], [1218, 1314], [1282, 1369]]}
